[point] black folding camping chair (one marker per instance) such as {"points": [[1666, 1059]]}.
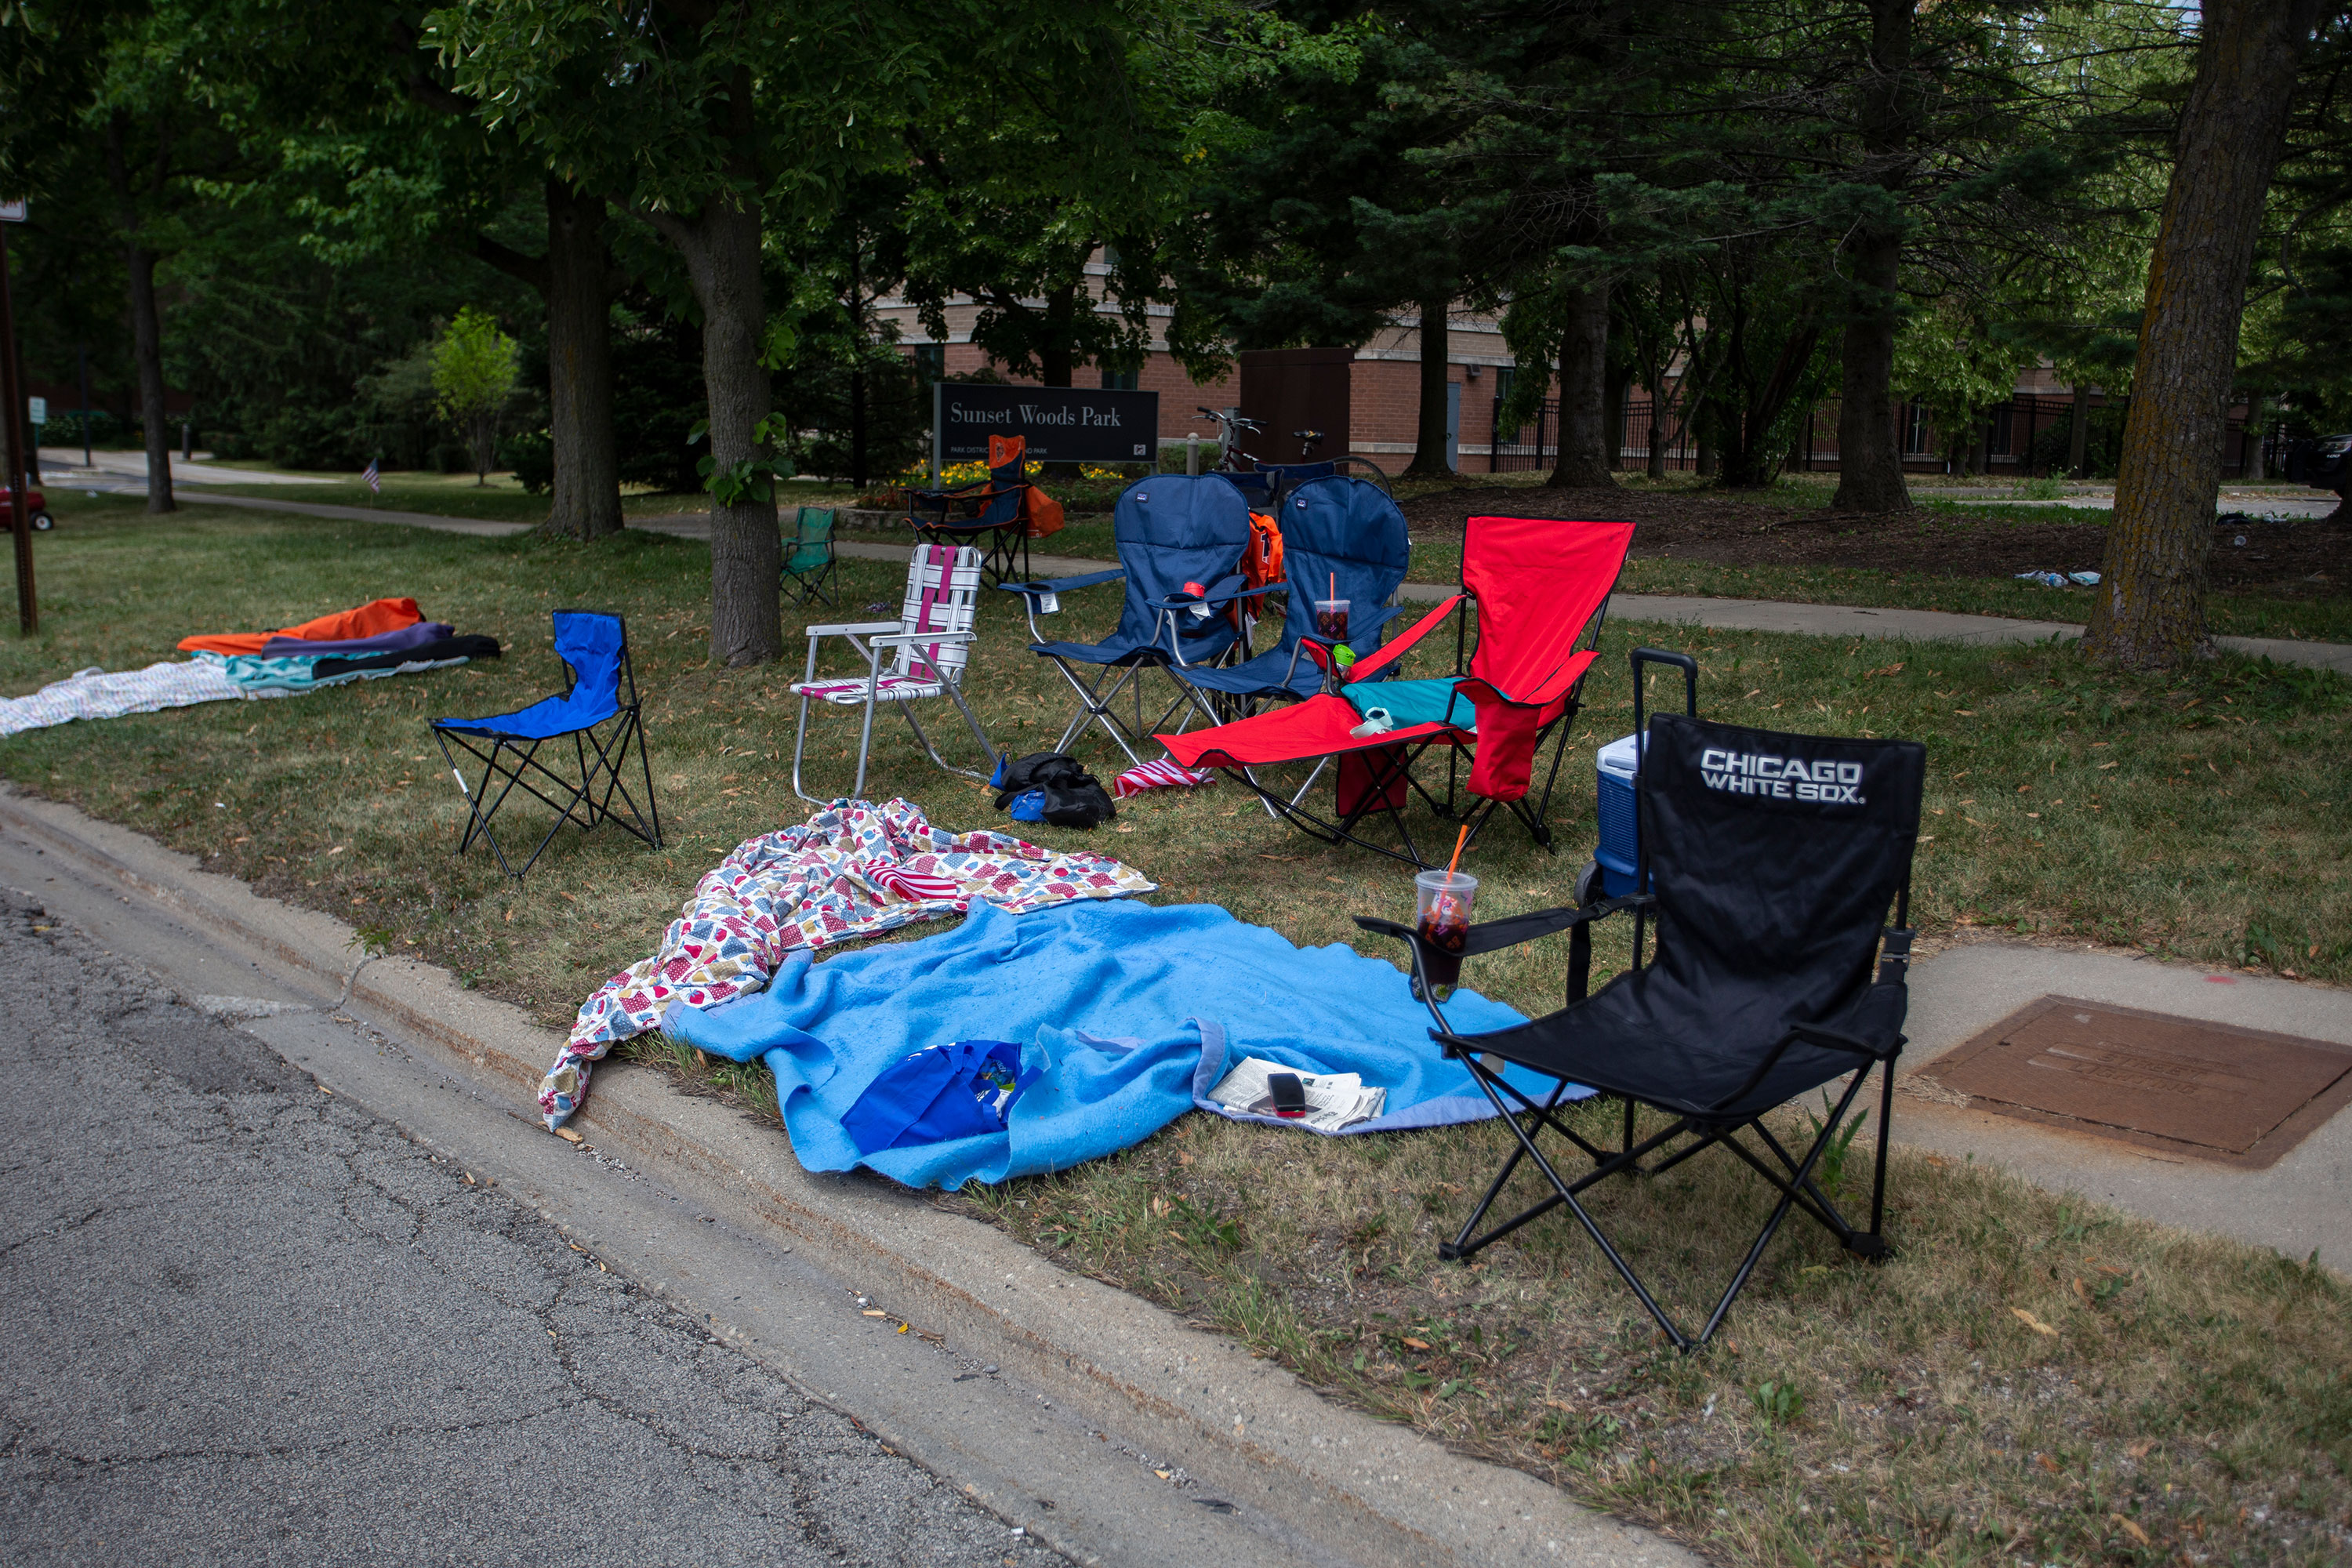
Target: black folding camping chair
{"points": [[1767, 863], [595, 714]]}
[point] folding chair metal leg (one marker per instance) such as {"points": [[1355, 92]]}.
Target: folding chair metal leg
{"points": [[1567, 1195], [586, 801], [1094, 705], [800, 742], [1797, 1189], [931, 750], [1780, 1213]]}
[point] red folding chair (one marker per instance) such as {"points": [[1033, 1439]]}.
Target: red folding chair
{"points": [[1541, 589]]}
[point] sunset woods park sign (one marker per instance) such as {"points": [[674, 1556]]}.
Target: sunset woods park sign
{"points": [[1063, 424]]}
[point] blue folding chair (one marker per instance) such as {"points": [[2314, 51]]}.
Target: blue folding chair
{"points": [[1171, 530], [1342, 537], [592, 714], [1265, 486]]}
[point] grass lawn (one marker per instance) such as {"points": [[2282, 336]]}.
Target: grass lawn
{"points": [[2201, 819], [502, 501], [2321, 618]]}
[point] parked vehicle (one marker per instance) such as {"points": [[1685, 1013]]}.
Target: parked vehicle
{"points": [[2324, 464], [36, 508]]}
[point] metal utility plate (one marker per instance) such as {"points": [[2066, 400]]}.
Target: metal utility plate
{"points": [[2210, 1091]]}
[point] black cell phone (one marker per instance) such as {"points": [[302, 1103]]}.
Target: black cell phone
{"points": [[1289, 1094]]}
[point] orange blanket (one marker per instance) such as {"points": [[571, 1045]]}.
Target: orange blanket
{"points": [[370, 619]]}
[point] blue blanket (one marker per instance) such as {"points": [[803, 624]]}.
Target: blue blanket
{"points": [[1128, 1013]]}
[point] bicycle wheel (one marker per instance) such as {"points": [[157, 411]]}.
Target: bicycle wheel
{"points": [[1349, 462]]}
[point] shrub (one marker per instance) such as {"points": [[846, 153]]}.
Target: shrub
{"points": [[532, 455]]}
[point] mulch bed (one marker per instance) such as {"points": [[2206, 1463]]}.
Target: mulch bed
{"points": [[2296, 558]]}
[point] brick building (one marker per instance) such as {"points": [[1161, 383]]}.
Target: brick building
{"points": [[1372, 395], [1384, 382]]}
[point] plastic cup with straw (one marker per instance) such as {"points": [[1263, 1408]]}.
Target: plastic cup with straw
{"points": [[1446, 900], [1331, 613]]}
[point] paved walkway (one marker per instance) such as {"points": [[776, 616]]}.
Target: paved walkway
{"points": [[1758, 615], [1722, 615], [62, 467], [2299, 1205]]}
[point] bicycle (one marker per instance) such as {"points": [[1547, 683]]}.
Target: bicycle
{"points": [[1272, 477]]}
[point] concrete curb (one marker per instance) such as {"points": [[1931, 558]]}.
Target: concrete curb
{"points": [[1356, 1490]]}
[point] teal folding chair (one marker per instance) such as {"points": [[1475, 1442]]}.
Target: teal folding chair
{"points": [[809, 564]]}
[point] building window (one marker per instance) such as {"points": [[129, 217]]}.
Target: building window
{"points": [[1503, 375], [930, 362], [1118, 381]]}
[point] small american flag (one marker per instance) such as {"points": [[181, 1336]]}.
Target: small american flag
{"points": [[374, 480]]}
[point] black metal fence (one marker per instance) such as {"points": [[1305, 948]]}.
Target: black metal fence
{"points": [[2029, 437], [1537, 445]]}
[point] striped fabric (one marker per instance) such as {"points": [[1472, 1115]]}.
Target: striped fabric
{"points": [[850, 692], [914, 886], [1165, 774]]}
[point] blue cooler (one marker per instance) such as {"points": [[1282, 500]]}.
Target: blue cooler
{"points": [[1619, 852]]}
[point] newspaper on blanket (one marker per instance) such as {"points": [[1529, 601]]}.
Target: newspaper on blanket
{"points": [[1334, 1100]]}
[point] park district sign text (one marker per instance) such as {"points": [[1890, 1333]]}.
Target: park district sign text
{"points": [[1063, 424]]}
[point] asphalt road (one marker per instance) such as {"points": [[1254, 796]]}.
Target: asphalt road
{"points": [[243, 1321]]}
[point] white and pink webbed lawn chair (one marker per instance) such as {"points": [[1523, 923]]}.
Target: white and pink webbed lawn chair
{"points": [[932, 643]]}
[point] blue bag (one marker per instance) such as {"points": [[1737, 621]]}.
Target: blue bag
{"points": [[939, 1094]]}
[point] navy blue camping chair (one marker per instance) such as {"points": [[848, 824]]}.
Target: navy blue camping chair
{"points": [[1265, 486], [1341, 538], [991, 516], [598, 713], [1171, 531]]}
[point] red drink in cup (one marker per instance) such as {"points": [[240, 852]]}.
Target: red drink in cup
{"points": [[1446, 898], [1331, 619]]}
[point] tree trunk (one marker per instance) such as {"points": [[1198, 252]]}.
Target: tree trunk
{"points": [[1057, 364], [1751, 461], [857, 371], [721, 250], [587, 499], [1870, 438], [1583, 460], [147, 338], [146, 322], [2150, 608], [1660, 431], [2078, 434], [1870, 447], [1429, 443]]}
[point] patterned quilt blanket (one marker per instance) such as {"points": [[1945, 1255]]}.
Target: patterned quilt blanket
{"points": [[94, 693], [852, 869]]}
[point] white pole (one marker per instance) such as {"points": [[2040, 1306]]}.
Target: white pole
{"points": [[939, 430]]}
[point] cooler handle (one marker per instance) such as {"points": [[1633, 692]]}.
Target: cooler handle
{"points": [[1688, 666]]}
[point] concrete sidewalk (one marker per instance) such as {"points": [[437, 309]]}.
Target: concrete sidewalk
{"points": [[2299, 1205], [1721, 614], [62, 467], [1751, 615]]}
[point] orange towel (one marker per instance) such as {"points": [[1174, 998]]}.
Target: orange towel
{"points": [[370, 619]]}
